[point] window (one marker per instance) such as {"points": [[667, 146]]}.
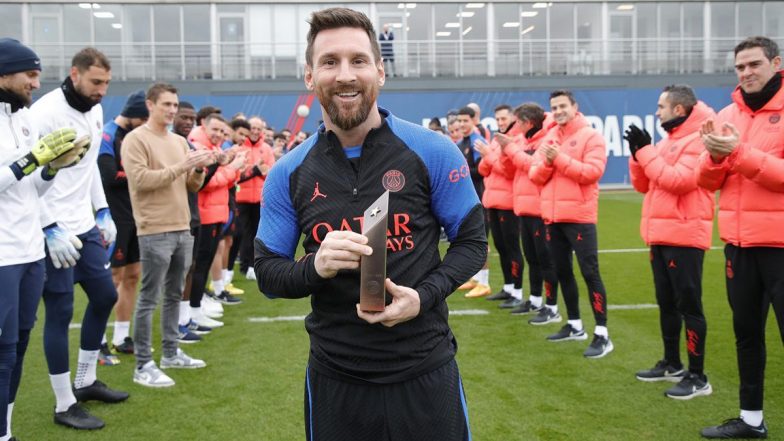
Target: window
{"points": [[11, 20]]}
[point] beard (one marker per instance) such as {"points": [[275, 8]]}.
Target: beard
{"points": [[343, 117], [93, 100]]}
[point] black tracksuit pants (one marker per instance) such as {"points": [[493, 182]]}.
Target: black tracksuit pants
{"points": [[505, 229], [540, 265], [677, 277], [249, 223], [563, 238], [209, 237], [755, 280]]}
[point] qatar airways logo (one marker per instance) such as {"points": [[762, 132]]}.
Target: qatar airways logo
{"points": [[399, 235]]}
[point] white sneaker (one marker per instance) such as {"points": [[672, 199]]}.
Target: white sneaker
{"points": [[149, 375], [202, 319], [211, 308], [181, 361], [251, 274]]}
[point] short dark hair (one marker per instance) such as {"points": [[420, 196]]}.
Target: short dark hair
{"points": [[563, 92], [466, 111], [279, 135], [186, 105], [769, 47], [285, 130], [502, 107], [334, 18], [204, 112], [239, 123], [681, 94], [90, 56], [530, 112], [155, 91], [212, 116]]}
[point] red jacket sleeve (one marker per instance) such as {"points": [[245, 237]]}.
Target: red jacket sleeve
{"points": [[711, 176], [590, 169], [679, 178], [540, 171], [223, 177], [760, 167], [640, 182]]}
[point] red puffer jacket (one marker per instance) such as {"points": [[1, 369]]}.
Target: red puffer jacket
{"points": [[751, 179], [214, 197], [498, 179], [519, 156], [675, 210], [570, 185], [252, 182]]}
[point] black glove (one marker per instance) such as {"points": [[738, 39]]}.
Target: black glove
{"points": [[637, 139]]}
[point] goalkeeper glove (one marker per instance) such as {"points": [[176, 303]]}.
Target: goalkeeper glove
{"points": [[62, 245], [47, 149], [637, 139], [103, 218]]}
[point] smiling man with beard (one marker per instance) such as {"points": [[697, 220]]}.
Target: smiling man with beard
{"points": [[389, 375]]}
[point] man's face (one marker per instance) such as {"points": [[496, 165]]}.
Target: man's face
{"points": [[287, 134], [184, 121], [454, 131], [22, 84], [563, 110], [278, 143], [754, 70], [228, 133], [256, 129], [466, 124], [92, 83], [664, 111], [268, 133], [504, 118], [163, 110], [345, 75], [215, 131], [240, 135], [301, 136]]}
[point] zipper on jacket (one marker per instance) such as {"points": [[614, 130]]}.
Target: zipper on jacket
{"points": [[11, 123]]}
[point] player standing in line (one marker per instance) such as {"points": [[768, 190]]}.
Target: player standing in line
{"points": [[22, 181], [569, 164], [519, 154], [744, 161], [498, 202], [677, 223], [76, 202], [126, 269], [389, 375]]}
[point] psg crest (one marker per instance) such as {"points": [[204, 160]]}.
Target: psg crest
{"points": [[393, 181]]}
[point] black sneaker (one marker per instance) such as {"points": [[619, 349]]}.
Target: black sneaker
{"points": [[500, 295], [227, 299], [663, 371], [567, 332], [511, 303], [78, 418], [198, 329], [599, 347], [545, 316], [126, 347], [526, 308], [735, 428], [691, 386], [99, 391]]}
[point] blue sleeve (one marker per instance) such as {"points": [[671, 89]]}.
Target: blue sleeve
{"points": [[107, 139], [474, 137], [278, 226]]}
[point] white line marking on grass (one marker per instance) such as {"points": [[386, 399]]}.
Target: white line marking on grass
{"points": [[625, 307], [285, 318], [469, 312]]}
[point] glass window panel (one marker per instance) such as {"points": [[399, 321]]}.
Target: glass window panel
{"points": [[505, 12], [42, 8], [723, 20], [136, 26], [137, 36], [533, 26], [197, 22], [774, 19], [446, 47], [693, 37], [284, 19], [419, 22], [475, 27], [167, 23], [646, 20], [231, 8], [109, 30], [11, 20], [562, 20], [749, 19], [78, 19], [670, 20], [589, 43]]}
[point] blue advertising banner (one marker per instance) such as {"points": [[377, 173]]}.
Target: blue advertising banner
{"points": [[610, 111]]}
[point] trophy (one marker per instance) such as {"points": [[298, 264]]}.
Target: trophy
{"points": [[373, 268]]}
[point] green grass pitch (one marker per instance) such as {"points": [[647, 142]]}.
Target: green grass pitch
{"points": [[518, 386]]}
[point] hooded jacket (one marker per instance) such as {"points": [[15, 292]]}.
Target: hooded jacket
{"points": [[570, 185], [498, 179], [519, 156], [675, 211], [751, 178]]}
